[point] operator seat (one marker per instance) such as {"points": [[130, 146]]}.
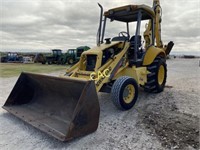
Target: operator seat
{"points": [[132, 45], [133, 42], [139, 49]]}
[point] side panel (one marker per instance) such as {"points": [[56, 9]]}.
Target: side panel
{"points": [[139, 74], [151, 54]]}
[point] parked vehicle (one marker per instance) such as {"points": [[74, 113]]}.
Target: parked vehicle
{"points": [[27, 60], [12, 57], [39, 58], [55, 58], [73, 55]]}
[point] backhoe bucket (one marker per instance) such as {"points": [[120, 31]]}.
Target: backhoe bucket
{"points": [[64, 108]]}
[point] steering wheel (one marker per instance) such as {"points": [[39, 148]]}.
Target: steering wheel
{"points": [[124, 34]]}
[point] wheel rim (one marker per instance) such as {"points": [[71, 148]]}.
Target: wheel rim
{"points": [[71, 61], [129, 93], [161, 74]]}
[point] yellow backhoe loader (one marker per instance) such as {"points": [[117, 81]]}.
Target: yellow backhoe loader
{"points": [[67, 107]]}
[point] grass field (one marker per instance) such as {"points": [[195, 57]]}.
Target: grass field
{"points": [[14, 69]]}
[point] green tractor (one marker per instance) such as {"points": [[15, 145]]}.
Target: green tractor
{"points": [[73, 55], [55, 57]]}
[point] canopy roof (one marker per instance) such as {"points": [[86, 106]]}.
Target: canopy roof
{"points": [[129, 13]]}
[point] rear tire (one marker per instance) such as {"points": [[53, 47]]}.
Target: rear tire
{"points": [[158, 75], [70, 61], [124, 92]]}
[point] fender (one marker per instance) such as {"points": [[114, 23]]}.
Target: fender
{"points": [[151, 53]]}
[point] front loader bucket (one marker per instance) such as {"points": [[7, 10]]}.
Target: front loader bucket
{"points": [[62, 107]]}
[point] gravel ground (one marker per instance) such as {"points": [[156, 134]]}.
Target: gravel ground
{"points": [[169, 120]]}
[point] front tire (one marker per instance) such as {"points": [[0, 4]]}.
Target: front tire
{"points": [[156, 80], [124, 92]]}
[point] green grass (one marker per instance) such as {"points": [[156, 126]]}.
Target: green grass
{"points": [[15, 69]]}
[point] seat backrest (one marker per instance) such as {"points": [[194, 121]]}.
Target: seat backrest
{"points": [[132, 40]]}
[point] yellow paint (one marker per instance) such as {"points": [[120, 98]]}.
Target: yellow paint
{"points": [[129, 93], [96, 76], [161, 75], [139, 74], [152, 53], [118, 63]]}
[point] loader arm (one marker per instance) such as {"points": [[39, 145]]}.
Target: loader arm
{"points": [[113, 65], [110, 67], [70, 70]]}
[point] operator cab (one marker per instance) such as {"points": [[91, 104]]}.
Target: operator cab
{"points": [[130, 14], [71, 51]]}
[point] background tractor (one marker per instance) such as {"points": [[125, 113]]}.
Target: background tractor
{"points": [[54, 58], [57, 57], [39, 58], [67, 107], [12, 57], [73, 55]]}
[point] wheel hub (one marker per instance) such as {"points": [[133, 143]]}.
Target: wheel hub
{"points": [[128, 93], [161, 75]]}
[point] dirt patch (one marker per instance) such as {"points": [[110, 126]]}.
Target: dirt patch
{"points": [[175, 130], [178, 131]]}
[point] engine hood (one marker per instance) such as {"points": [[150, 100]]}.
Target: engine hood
{"points": [[99, 49]]}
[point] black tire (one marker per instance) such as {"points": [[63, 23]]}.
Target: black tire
{"points": [[49, 62], [70, 61], [61, 61], [153, 83], [118, 89]]}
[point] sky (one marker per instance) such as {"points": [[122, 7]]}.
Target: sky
{"points": [[65, 24]]}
